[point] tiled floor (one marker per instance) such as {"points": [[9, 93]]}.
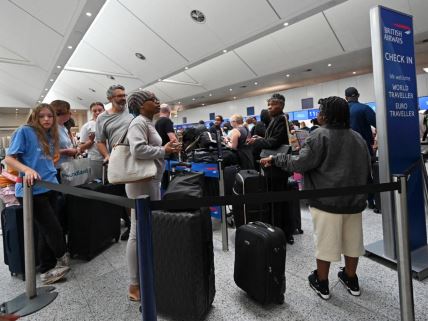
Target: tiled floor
{"points": [[96, 290]]}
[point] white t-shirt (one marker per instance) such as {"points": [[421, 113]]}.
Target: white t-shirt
{"points": [[87, 128]]}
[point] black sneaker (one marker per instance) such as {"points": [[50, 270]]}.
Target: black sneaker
{"points": [[320, 287], [350, 284]]}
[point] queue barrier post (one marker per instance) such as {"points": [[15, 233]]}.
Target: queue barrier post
{"points": [[404, 267], [34, 299], [143, 215]]}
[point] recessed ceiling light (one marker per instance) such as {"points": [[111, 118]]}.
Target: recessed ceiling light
{"points": [[89, 14], [58, 66], [46, 89], [160, 79], [234, 97], [256, 83], [79, 98], [287, 75], [186, 68], [426, 69], [111, 77], [51, 80], [329, 65], [39, 101], [193, 99], [140, 56], [140, 88], [179, 102], [75, 111], [210, 95], [285, 24], [16, 109], [230, 89], [197, 16], [70, 47], [92, 89], [224, 50], [203, 104], [42, 96], [354, 72]]}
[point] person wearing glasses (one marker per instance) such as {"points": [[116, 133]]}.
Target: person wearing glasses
{"points": [[31, 152], [109, 128], [111, 124], [145, 143]]}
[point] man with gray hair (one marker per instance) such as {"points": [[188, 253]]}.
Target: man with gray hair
{"points": [[165, 126], [111, 124], [109, 128]]}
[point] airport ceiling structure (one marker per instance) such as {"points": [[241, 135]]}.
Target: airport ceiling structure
{"points": [[189, 52]]}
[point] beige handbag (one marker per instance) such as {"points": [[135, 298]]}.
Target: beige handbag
{"points": [[124, 168]]}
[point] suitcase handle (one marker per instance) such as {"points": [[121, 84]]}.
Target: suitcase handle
{"points": [[262, 224]]}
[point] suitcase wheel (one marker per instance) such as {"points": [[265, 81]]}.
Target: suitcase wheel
{"points": [[280, 299]]}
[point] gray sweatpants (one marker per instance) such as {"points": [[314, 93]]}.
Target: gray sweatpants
{"points": [[151, 188]]}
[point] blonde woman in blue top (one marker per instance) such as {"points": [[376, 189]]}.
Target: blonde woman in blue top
{"points": [[31, 152]]}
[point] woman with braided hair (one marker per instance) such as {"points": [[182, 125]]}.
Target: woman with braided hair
{"points": [[145, 143], [333, 156]]}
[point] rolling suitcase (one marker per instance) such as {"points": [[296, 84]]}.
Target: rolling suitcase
{"points": [[92, 225], [184, 263], [12, 225], [260, 251], [294, 207], [250, 181]]}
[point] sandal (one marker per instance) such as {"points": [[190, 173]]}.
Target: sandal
{"points": [[134, 293]]}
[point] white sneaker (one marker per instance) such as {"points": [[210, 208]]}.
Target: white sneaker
{"points": [[53, 275], [63, 261]]}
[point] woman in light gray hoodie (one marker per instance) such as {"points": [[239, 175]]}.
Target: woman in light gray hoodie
{"points": [[333, 156], [145, 143]]}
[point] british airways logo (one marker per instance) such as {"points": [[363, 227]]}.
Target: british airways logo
{"points": [[407, 30]]}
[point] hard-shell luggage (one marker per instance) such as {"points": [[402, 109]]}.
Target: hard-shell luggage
{"points": [[93, 224], [294, 207], [184, 263], [12, 225], [260, 252], [250, 181]]}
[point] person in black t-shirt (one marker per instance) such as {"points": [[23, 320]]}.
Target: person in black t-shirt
{"points": [[164, 125]]}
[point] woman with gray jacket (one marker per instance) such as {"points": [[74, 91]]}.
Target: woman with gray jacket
{"points": [[145, 143]]}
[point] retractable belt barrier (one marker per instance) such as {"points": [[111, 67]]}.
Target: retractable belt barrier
{"points": [[144, 206]]}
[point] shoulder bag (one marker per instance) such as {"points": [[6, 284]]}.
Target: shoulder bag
{"points": [[125, 168]]}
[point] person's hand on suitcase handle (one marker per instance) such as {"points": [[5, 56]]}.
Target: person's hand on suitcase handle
{"points": [[267, 161], [172, 147]]}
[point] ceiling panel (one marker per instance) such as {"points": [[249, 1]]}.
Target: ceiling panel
{"points": [[307, 41], [88, 57], [351, 20], [291, 8], [30, 38], [9, 55], [121, 38], [223, 27], [176, 91], [419, 10], [160, 94], [47, 11], [183, 76], [220, 71], [77, 84]]}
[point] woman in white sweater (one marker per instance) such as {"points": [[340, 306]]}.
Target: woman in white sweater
{"points": [[145, 143]]}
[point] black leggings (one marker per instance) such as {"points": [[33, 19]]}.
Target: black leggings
{"points": [[51, 243]]}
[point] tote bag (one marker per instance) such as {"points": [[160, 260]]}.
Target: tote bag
{"points": [[124, 168]]}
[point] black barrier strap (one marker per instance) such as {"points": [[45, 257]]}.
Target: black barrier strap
{"points": [[109, 198], [271, 197], [412, 167]]}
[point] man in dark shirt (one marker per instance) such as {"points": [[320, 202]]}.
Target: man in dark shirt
{"points": [[277, 135], [362, 118], [164, 125], [217, 125]]}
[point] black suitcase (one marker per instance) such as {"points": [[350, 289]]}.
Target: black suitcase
{"points": [[250, 181], [260, 252], [12, 225], [183, 263], [92, 225], [293, 207]]}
